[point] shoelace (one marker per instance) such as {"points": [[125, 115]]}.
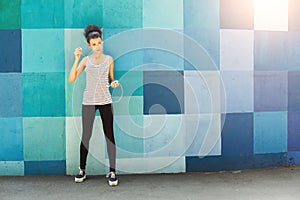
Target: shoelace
{"points": [[111, 175]]}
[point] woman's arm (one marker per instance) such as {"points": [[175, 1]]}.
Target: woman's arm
{"points": [[76, 71], [114, 83]]}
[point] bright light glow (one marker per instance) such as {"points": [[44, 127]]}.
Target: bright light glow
{"points": [[271, 15]]}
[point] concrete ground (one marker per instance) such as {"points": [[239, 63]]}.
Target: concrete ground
{"points": [[262, 184]]}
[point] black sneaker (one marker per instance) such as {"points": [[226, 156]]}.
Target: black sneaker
{"points": [[80, 176], [112, 179]]}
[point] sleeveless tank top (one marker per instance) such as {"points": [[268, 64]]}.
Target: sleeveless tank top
{"points": [[97, 87]]}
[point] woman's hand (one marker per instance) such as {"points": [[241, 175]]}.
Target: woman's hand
{"points": [[114, 84], [77, 52]]}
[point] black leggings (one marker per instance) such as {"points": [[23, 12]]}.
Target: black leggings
{"points": [[88, 117]]}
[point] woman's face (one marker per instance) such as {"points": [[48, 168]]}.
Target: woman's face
{"points": [[96, 44]]}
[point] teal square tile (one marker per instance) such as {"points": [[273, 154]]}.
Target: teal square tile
{"points": [[164, 135], [74, 95], [43, 94], [122, 14], [43, 50], [11, 137], [74, 38], [44, 138], [11, 168], [129, 136], [163, 14], [79, 14], [129, 61], [42, 14], [131, 83], [201, 14], [270, 132], [10, 15], [128, 105]]}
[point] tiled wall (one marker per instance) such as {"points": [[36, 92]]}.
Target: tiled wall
{"points": [[206, 85]]}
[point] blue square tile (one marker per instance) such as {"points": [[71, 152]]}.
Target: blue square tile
{"points": [[270, 91], [293, 51], [271, 51], [122, 14], [11, 137], [163, 14], [294, 131], [129, 61], [237, 134], [209, 41], [10, 51], [10, 95], [167, 59], [270, 132], [163, 95], [83, 13], [41, 98], [201, 14], [238, 88], [202, 91], [293, 91], [51, 167], [39, 56]]}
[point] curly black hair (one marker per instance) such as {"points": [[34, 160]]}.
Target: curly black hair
{"points": [[92, 31]]}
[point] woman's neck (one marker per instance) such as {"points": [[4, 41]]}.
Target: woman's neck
{"points": [[97, 55]]}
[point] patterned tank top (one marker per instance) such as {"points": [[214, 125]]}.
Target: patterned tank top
{"points": [[97, 87]]}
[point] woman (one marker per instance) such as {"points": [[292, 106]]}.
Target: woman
{"points": [[99, 68]]}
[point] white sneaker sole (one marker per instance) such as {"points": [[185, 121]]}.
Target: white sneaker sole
{"points": [[113, 183], [80, 180]]}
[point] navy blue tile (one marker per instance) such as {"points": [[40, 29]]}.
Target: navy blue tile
{"points": [[270, 91], [237, 134], [54, 167], [10, 51], [293, 158], [163, 92], [293, 91], [293, 131], [220, 163], [10, 94]]}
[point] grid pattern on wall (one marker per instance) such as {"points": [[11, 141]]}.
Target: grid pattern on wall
{"points": [[203, 89]]}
